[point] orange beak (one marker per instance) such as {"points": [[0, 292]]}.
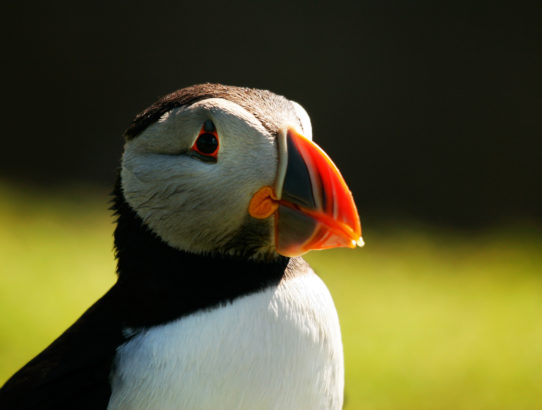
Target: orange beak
{"points": [[312, 205]]}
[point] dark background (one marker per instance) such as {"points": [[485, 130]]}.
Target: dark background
{"points": [[431, 111]]}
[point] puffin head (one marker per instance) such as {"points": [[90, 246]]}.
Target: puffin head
{"points": [[221, 169]]}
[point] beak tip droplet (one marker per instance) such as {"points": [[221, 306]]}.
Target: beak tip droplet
{"points": [[360, 242]]}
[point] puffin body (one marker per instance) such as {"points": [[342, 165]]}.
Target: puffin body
{"points": [[288, 357], [220, 191]]}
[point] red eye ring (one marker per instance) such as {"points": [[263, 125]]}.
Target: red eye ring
{"points": [[207, 143]]}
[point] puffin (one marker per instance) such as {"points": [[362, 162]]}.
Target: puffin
{"points": [[220, 191]]}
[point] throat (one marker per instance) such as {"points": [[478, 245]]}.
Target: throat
{"points": [[159, 283]]}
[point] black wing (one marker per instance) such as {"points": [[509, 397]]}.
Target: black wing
{"points": [[73, 372]]}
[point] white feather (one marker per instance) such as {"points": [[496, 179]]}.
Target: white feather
{"points": [[276, 349]]}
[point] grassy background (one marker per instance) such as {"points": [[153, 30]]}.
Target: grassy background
{"points": [[430, 319]]}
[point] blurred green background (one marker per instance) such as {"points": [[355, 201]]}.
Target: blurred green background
{"points": [[430, 109], [431, 319]]}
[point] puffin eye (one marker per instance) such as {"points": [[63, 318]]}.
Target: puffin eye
{"points": [[207, 142]]}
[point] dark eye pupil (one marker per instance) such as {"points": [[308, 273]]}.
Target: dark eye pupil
{"points": [[207, 143]]}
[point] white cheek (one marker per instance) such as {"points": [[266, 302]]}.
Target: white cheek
{"points": [[190, 204], [168, 197]]}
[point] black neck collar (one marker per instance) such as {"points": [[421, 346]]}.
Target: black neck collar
{"points": [[158, 283]]}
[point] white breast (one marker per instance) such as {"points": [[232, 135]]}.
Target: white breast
{"points": [[276, 349]]}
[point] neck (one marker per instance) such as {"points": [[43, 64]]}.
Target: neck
{"points": [[161, 283]]}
